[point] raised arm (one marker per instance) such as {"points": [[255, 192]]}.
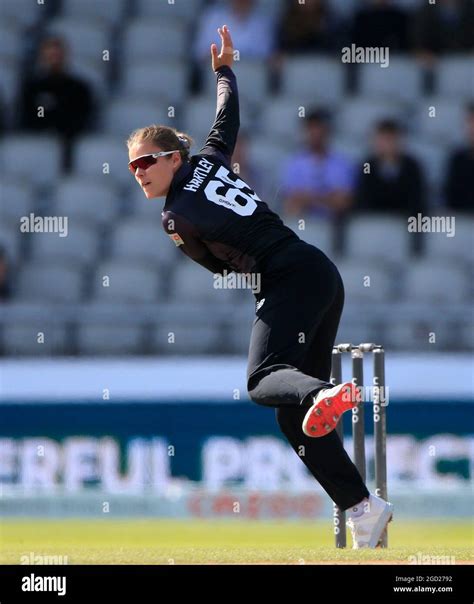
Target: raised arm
{"points": [[223, 135]]}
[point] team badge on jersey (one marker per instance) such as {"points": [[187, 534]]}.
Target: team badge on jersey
{"points": [[176, 238]]}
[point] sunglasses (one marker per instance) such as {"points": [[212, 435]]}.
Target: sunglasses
{"points": [[145, 161]]}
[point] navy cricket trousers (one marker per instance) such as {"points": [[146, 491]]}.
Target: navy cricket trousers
{"points": [[297, 317]]}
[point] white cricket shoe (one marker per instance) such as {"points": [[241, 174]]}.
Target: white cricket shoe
{"points": [[368, 527]]}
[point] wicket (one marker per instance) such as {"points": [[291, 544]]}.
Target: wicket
{"points": [[358, 423]]}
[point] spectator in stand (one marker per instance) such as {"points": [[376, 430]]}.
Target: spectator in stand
{"points": [[447, 26], [459, 186], [65, 98], [307, 28], [252, 31], [317, 181], [381, 23], [5, 289], [395, 182]]}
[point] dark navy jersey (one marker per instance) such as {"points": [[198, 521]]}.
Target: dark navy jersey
{"points": [[210, 212]]}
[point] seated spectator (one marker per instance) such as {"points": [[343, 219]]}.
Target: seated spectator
{"points": [[66, 99], [395, 182], [381, 23], [5, 289], [447, 26], [252, 31], [459, 185], [317, 180], [306, 28]]}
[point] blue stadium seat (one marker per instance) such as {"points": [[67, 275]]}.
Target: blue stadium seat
{"points": [[456, 77], [145, 39], [164, 82], [16, 200], [10, 42], [126, 114], [318, 232], [280, 122], [459, 247], [80, 247], [446, 126], [184, 337], [21, 13], [378, 288], [192, 282], [358, 115], [41, 151], [436, 282], [90, 201], [145, 242], [103, 159], [128, 282], [380, 238], [432, 158], [53, 282], [179, 9], [22, 339], [109, 11], [10, 241], [109, 339], [84, 36], [315, 80], [400, 81]]}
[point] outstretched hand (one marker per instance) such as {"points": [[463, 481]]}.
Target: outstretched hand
{"points": [[226, 56]]}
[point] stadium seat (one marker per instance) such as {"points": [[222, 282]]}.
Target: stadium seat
{"points": [[432, 158], [147, 38], [400, 81], [281, 123], [436, 282], [16, 200], [41, 151], [79, 247], [127, 282], [119, 121], [315, 80], [10, 43], [367, 281], [8, 85], [103, 159], [21, 13], [95, 74], [192, 282], [94, 202], [10, 241], [456, 77], [354, 149], [143, 241], [53, 282], [446, 126], [106, 339], [185, 338], [378, 237], [109, 11], [182, 9], [358, 115], [142, 208], [85, 37], [358, 329], [459, 247], [22, 340], [164, 82], [318, 232], [415, 334]]}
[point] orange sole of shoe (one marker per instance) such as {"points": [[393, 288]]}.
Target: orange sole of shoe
{"points": [[322, 418]]}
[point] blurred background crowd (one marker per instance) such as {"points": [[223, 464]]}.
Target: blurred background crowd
{"points": [[309, 124]]}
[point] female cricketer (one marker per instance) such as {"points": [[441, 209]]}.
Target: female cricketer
{"points": [[220, 222]]}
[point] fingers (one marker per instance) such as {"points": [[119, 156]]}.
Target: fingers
{"points": [[224, 33]]}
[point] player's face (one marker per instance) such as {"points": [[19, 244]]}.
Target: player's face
{"points": [[154, 180]]}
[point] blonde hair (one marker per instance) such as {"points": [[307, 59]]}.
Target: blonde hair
{"points": [[165, 137]]}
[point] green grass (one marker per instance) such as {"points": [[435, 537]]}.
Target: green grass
{"points": [[201, 542]]}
